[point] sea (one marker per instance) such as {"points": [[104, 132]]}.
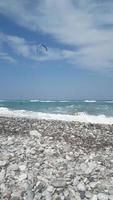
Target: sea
{"points": [[89, 111]]}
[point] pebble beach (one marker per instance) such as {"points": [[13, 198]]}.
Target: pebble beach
{"points": [[55, 160]]}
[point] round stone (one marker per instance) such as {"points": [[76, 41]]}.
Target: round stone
{"points": [[94, 197], [22, 167], [102, 196], [81, 187], [59, 183], [22, 177], [50, 188]]}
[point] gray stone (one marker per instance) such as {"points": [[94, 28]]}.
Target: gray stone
{"points": [[66, 193], [40, 186], [3, 187], [75, 181], [37, 196], [81, 187], [83, 167], [22, 177], [35, 133], [72, 193], [2, 175], [94, 197], [22, 167], [92, 164], [82, 194], [2, 163], [56, 197], [102, 196], [110, 197], [78, 196], [93, 184], [29, 195], [59, 183], [50, 189], [13, 167], [110, 190], [48, 196], [88, 194]]}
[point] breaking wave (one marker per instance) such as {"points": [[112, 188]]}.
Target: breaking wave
{"points": [[33, 101], [2, 100], [81, 117], [90, 101], [48, 101], [108, 101], [42, 101]]}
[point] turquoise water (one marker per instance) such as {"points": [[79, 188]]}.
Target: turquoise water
{"points": [[64, 108]]}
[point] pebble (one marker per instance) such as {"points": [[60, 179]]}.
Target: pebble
{"points": [[67, 163], [22, 167], [93, 184], [110, 197], [3, 163], [88, 194], [2, 175], [22, 177], [13, 167], [59, 183], [102, 196], [48, 196], [29, 195], [35, 134], [81, 187], [94, 197], [50, 189]]}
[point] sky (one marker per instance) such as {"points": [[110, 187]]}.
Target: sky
{"points": [[78, 62]]}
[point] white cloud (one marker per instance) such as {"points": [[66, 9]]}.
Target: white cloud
{"points": [[6, 57], [36, 52], [88, 24]]}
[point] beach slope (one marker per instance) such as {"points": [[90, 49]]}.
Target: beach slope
{"points": [[55, 160]]}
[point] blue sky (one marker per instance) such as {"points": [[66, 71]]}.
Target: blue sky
{"points": [[79, 60]]}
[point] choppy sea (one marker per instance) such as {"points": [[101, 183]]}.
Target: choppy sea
{"points": [[83, 111]]}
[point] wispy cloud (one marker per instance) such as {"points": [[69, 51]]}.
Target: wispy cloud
{"points": [[88, 24], [6, 57], [32, 51]]}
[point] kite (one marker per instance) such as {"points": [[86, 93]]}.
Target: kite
{"points": [[41, 49]]}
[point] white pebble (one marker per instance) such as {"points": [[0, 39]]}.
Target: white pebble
{"points": [[102, 196], [81, 187], [22, 177]]}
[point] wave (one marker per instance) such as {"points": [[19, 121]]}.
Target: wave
{"points": [[90, 101], [2, 100], [108, 101], [63, 101], [48, 101], [81, 117], [42, 101], [33, 101]]}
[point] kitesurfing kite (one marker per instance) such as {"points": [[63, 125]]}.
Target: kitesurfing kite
{"points": [[41, 49]]}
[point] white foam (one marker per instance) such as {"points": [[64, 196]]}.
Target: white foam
{"points": [[34, 100], [90, 101], [81, 117], [42, 101], [64, 101], [47, 101], [108, 101]]}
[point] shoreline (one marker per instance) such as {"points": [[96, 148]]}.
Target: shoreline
{"points": [[30, 118], [55, 160], [81, 117]]}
